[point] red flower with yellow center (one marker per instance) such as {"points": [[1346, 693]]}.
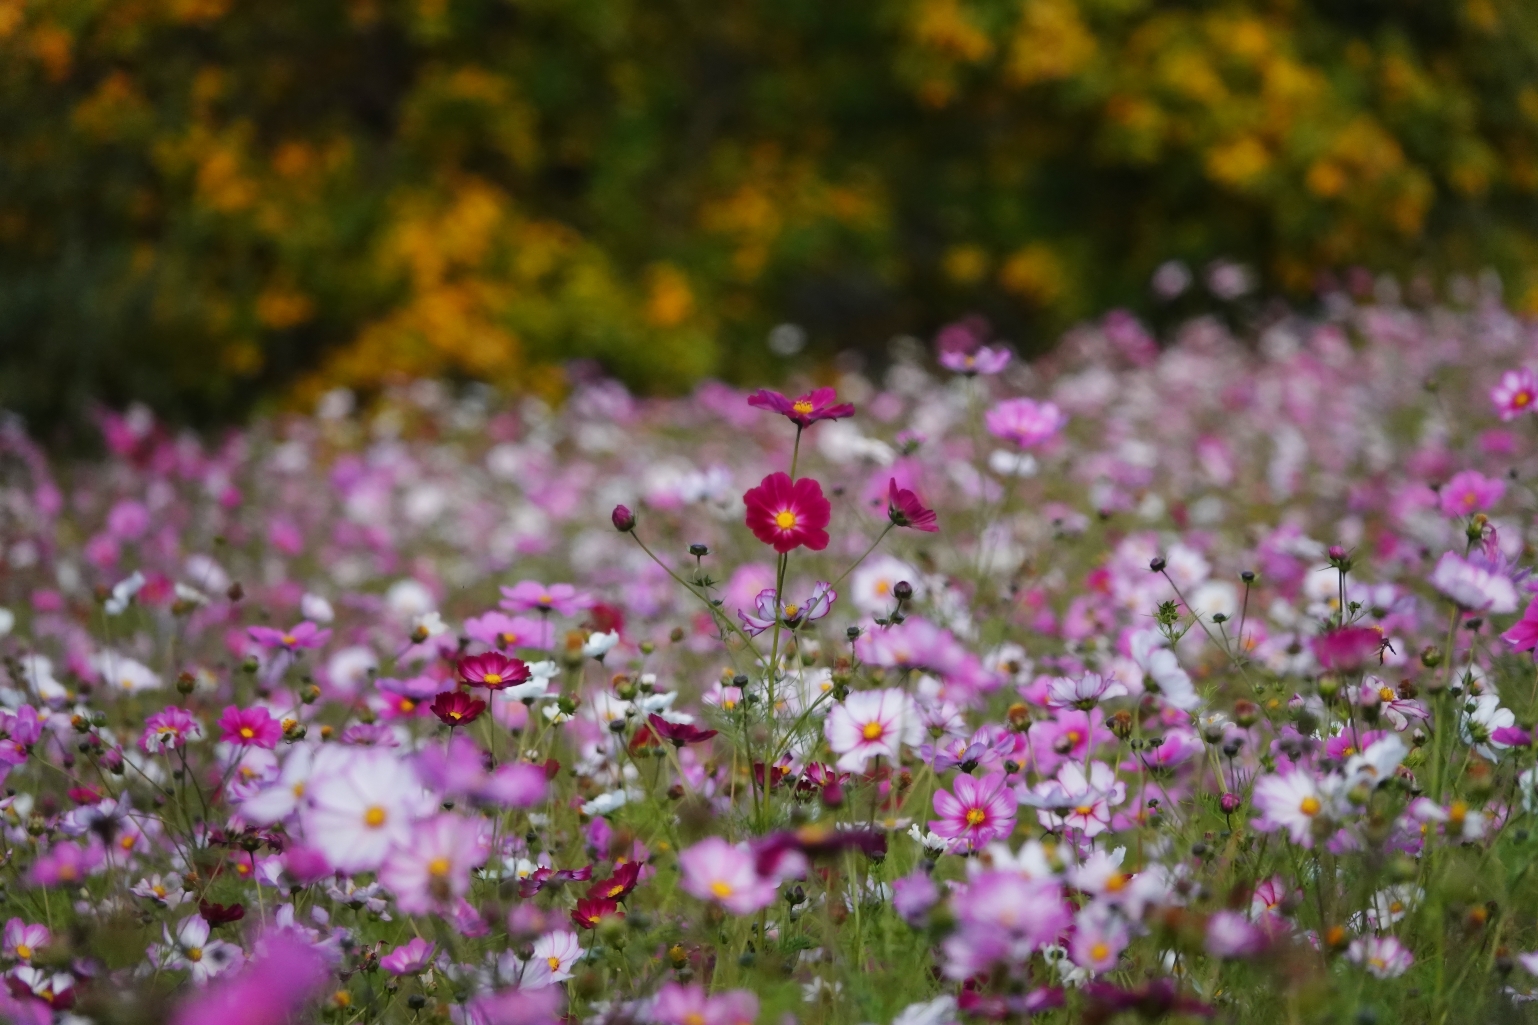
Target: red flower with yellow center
{"points": [[787, 514]]}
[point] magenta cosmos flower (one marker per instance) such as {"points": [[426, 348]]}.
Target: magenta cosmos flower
{"points": [[820, 404], [171, 728], [493, 670], [250, 727], [1470, 492], [787, 514], [717, 871], [409, 958], [1025, 422], [905, 510], [978, 812], [304, 635], [1516, 394], [1523, 636]]}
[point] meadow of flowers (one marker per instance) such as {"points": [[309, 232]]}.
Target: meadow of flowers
{"points": [[1188, 681]]}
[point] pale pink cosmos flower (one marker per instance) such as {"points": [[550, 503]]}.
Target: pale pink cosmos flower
{"points": [[169, 729], [303, 635], [1232, 935], [1383, 956], [23, 939], [1076, 800], [1517, 393], [1100, 934], [553, 957], [1085, 692], [190, 947], [717, 871], [1292, 802], [280, 800], [432, 869], [872, 724], [1025, 422], [363, 802], [1475, 587], [979, 811]]}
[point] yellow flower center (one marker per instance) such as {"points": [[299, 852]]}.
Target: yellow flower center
{"points": [[247, 733], [1385, 694], [195, 954], [872, 731], [802, 406], [694, 1018], [784, 519], [1310, 806], [545, 599], [290, 639], [1084, 809], [298, 789], [438, 867], [407, 705], [1116, 883], [1099, 952], [374, 817], [1521, 399], [791, 611], [493, 678], [554, 963], [976, 816], [23, 951], [721, 889]]}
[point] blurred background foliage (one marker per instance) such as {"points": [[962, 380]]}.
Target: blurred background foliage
{"points": [[210, 204]]}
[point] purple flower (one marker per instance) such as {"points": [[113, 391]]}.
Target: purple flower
{"points": [[1470, 492], [1231, 935], [409, 958], [913, 895], [1025, 422], [300, 636], [819, 404]]}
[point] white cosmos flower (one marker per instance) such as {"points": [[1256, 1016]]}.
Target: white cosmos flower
{"points": [[362, 800]]}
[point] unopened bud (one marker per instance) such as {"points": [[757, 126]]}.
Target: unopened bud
{"points": [[623, 519]]}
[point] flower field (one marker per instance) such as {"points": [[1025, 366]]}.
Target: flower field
{"points": [[1190, 681]]}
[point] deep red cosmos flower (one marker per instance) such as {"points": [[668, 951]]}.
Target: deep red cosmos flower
{"points": [[905, 509], [592, 910], [456, 708], [493, 670], [619, 885], [679, 733], [788, 514], [815, 405]]}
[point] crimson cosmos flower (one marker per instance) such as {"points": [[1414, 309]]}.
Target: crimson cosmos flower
{"points": [[905, 509], [619, 885], [680, 733], [493, 670], [592, 910], [806, 410], [456, 708], [787, 514]]}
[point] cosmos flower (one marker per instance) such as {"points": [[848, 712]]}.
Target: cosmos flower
{"points": [[493, 670], [1468, 493], [1523, 635], [362, 803], [677, 1004], [456, 708], [250, 727], [1516, 394], [791, 614], [976, 812], [805, 410], [1290, 801], [1025, 422], [985, 360], [297, 638], [1472, 586], [904, 509], [724, 873], [409, 958], [872, 724], [553, 957], [23, 939], [1384, 957], [169, 729], [786, 514], [532, 596], [432, 870]]}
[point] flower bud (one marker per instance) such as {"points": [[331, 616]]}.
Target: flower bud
{"points": [[1229, 803], [902, 590], [623, 519]]}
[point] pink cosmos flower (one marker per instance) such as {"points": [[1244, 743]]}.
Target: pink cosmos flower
{"points": [[904, 509], [409, 958], [1383, 956], [493, 670], [1347, 648], [872, 724], [432, 870], [169, 729], [1077, 799], [1231, 935], [979, 811], [1470, 492], [787, 514], [270, 990], [532, 596], [1291, 802], [1517, 393], [689, 1005], [303, 635], [1025, 422], [554, 956], [1523, 635], [819, 404], [250, 727], [790, 614], [499, 630], [717, 871], [23, 939], [1084, 693]]}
